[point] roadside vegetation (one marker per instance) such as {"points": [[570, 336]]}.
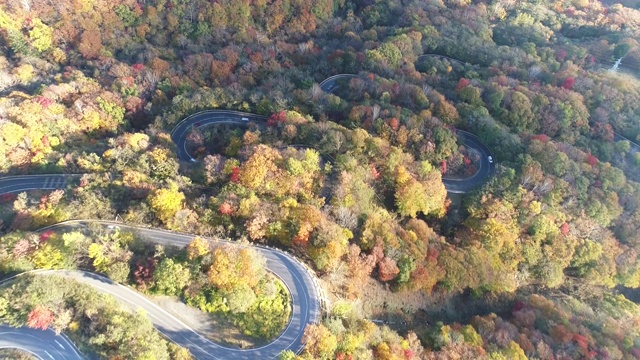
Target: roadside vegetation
{"points": [[94, 321], [215, 277], [15, 354], [95, 87]]}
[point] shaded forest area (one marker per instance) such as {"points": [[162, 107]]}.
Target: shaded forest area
{"points": [[95, 87]]}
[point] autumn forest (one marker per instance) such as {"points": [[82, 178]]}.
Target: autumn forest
{"points": [[539, 260]]}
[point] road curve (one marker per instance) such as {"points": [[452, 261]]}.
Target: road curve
{"points": [[16, 184], [305, 297], [44, 345], [209, 117], [329, 84], [456, 186], [485, 168]]}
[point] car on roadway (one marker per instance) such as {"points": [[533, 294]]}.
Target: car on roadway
{"points": [[490, 158]]}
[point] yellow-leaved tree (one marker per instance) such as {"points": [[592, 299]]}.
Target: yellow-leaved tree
{"points": [[197, 247], [233, 267], [41, 35], [166, 202]]}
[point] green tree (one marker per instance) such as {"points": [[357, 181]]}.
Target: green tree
{"points": [[287, 355], [240, 298], [118, 272], [170, 277], [621, 50], [520, 115]]}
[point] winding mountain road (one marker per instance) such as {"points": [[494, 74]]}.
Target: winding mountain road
{"points": [[207, 117], [44, 345], [299, 281], [210, 117], [455, 186], [305, 299], [18, 184], [329, 84], [485, 167]]}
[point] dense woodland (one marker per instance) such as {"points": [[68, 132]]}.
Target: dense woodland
{"points": [[94, 87]]}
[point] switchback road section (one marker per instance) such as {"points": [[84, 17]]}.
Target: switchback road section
{"points": [[44, 345], [486, 167], [210, 117], [304, 292], [204, 118]]}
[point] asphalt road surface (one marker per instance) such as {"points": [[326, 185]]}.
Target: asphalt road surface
{"points": [[43, 345], [485, 167], [16, 184], [209, 117], [204, 118], [302, 289], [329, 84]]}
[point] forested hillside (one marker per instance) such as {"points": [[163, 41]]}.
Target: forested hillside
{"points": [[349, 180]]}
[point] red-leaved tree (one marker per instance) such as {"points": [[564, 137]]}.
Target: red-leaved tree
{"points": [[542, 138], [235, 174], [277, 118], [40, 318], [568, 83], [394, 123], [225, 208], [143, 275], [387, 269], [561, 54], [462, 83], [46, 235]]}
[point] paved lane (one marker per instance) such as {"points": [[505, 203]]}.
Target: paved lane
{"points": [[210, 117], [16, 184], [44, 345], [298, 280], [485, 168], [329, 84], [205, 118]]}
